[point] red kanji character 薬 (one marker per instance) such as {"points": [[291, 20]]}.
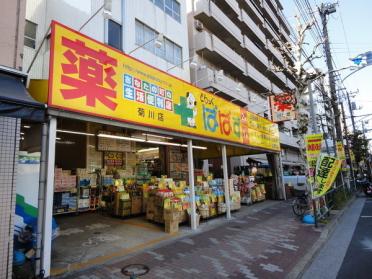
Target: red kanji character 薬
{"points": [[94, 68]]}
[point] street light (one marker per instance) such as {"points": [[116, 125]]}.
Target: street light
{"points": [[193, 63], [159, 40]]}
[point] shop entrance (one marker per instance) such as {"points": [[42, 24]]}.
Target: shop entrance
{"points": [[119, 190]]}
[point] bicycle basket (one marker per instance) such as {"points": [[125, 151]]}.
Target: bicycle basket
{"points": [[299, 193]]}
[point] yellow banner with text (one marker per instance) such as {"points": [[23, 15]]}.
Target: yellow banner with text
{"points": [[89, 77]]}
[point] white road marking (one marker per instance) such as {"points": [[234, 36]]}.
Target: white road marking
{"points": [[366, 216]]}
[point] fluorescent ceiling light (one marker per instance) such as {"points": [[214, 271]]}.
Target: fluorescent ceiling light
{"points": [[58, 138], [75, 133], [195, 147], [157, 136], [27, 126], [120, 137], [163, 142], [148, 149]]}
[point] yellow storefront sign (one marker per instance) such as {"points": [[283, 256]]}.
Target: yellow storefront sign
{"points": [[326, 172], [89, 77]]}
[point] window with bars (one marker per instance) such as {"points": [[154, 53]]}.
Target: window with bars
{"points": [[169, 51], [170, 7]]}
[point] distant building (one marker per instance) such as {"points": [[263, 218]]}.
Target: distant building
{"points": [[235, 44]]}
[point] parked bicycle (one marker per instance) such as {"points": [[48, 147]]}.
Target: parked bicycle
{"points": [[301, 204]]}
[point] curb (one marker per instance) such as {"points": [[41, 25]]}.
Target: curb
{"points": [[307, 259]]}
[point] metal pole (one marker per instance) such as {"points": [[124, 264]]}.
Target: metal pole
{"points": [[226, 182], [323, 14], [48, 202], [41, 197], [282, 175], [190, 158]]}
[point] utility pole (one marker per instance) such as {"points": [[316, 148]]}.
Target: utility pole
{"points": [[314, 126], [351, 109], [327, 9]]}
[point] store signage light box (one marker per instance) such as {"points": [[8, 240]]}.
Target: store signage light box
{"points": [[89, 77]]}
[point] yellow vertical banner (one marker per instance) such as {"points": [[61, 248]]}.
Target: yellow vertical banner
{"points": [[340, 150], [313, 144], [326, 172]]}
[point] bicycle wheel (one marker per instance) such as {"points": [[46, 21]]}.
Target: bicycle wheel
{"points": [[298, 207]]}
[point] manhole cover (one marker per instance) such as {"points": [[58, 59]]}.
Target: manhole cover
{"points": [[134, 270]]}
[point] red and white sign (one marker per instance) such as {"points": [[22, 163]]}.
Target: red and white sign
{"points": [[283, 107]]}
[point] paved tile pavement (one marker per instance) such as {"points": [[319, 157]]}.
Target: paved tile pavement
{"points": [[265, 244]]}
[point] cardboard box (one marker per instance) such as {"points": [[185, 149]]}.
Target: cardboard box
{"points": [[136, 205], [171, 226], [172, 215]]}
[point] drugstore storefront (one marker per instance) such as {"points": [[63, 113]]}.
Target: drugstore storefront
{"points": [[127, 139]]}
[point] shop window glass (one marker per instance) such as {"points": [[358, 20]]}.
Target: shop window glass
{"points": [[114, 34], [30, 34]]}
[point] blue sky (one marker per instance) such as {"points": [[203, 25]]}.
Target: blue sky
{"points": [[353, 19]]}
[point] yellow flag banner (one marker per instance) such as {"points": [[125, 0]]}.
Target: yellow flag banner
{"points": [[326, 172], [340, 150], [313, 145]]}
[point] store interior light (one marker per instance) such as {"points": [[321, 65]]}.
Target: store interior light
{"points": [[75, 133], [26, 126], [157, 136], [58, 138], [148, 149], [120, 137], [163, 143], [195, 147]]}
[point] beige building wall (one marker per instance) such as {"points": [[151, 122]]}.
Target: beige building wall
{"points": [[12, 24]]}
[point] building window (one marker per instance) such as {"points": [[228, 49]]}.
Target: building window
{"points": [[114, 34], [30, 34], [169, 51], [170, 7]]}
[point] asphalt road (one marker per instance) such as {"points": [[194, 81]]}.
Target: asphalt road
{"points": [[348, 251], [358, 259]]}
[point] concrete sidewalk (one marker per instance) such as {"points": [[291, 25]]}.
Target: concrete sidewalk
{"points": [[265, 243]]}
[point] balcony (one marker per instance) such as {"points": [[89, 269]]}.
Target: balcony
{"points": [[275, 53], [255, 53], [270, 33], [275, 89], [252, 11], [253, 28], [284, 21], [288, 140], [270, 15], [215, 50], [217, 22], [259, 82], [290, 84], [226, 88]]}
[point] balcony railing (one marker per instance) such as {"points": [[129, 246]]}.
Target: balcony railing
{"points": [[252, 26], [211, 16], [219, 50], [256, 52]]}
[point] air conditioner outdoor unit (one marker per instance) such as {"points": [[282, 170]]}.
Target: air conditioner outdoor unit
{"points": [[199, 25]]}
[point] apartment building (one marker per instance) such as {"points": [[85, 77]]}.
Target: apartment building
{"points": [[131, 26], [236, 46]]}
